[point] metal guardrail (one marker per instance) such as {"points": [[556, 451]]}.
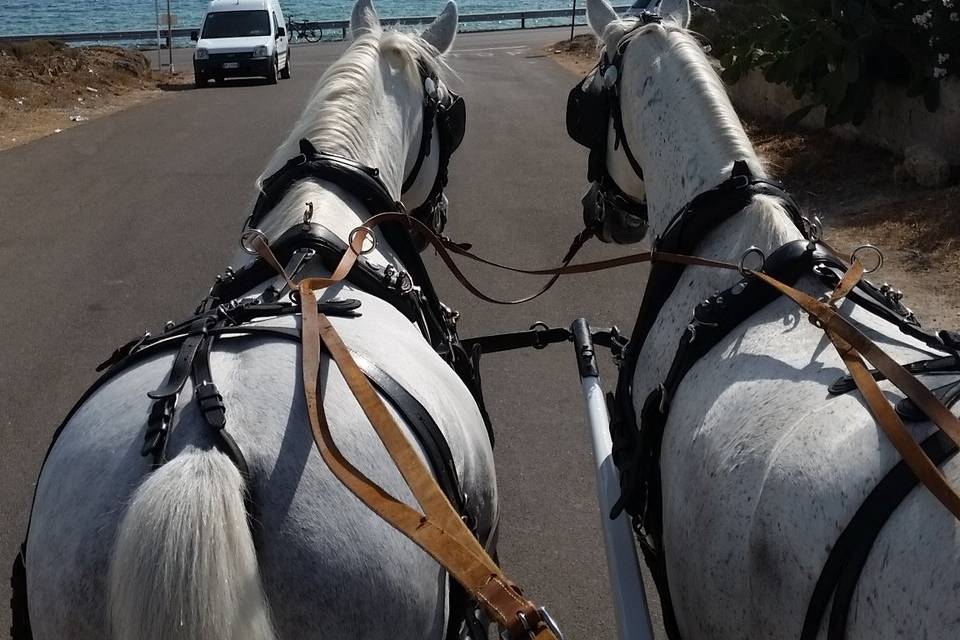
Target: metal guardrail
{"points": [[327, 25]]}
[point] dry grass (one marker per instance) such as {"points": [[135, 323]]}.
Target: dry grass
{"points": [[853, 189], [46, 85], [578, 55]]}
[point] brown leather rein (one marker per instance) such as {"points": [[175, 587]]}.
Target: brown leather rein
{"points": [[439, 530]]}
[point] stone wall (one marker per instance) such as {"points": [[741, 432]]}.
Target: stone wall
{"points": [[896, 122]]}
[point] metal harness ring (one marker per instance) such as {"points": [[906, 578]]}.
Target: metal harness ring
{"points": [[866, 248], [815, 228], [741, 267], [369, 234], [248, 238]]}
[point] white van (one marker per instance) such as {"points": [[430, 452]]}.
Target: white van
{"points": [[241, 38]]}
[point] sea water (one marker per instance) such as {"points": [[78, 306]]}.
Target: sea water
{"points": [[19, 17]]}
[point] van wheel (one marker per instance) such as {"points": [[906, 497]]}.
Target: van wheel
{"points": [[273, 78], [200, 80], [285, 72]]}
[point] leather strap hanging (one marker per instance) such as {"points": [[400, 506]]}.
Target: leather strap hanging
{"points": [[438, 530], [853, 348]]}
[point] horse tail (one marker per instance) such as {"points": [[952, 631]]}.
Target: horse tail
{"points": [[184, 564]]}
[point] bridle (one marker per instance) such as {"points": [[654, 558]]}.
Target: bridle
{"points": [[446, 110], [609, 211]]}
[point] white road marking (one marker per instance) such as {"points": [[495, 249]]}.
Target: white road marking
{"points": [[514, 48]]}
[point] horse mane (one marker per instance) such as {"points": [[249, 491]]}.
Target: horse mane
{"points": [[342, 104], [712, 101], [703, 75]]}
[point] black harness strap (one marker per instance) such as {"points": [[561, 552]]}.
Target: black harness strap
{"points": [[160, 419], [430, 108], [213, 409], [360, 181], [840, 573], [19, 609], [426, 430], [387, 284], [692, 223]]}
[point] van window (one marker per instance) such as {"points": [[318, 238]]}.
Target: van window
{"points": [[236, 24]]}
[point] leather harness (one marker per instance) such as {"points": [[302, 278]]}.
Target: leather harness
{"points": [[410, 291], [637, 447], [439, 529]]}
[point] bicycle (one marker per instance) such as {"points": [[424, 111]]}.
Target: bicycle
{"points": [[304, 31]]}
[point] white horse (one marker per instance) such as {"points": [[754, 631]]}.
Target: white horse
{"points": [[761, 468], [118, 551]]}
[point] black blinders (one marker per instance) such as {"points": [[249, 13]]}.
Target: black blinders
{"points": [[453, 119], [591, 106], [588, 112]]}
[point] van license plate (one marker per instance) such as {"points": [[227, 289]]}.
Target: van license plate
{"points": [[231, 65]]}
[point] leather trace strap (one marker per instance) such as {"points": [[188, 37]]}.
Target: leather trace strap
{"points": [[438, 530], [854, 348]]}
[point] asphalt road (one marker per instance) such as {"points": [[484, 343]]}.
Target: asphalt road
{"points": [[118, 225]]}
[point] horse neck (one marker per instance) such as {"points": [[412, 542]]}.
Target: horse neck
{"points": [[375, 125], [682, 126]]}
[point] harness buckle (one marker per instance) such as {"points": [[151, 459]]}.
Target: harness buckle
{"points": [[549, 622], [530, 631], [539, 328], [211, 404]]}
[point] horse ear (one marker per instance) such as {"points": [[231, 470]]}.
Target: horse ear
{"points": [[599, 15], [364, 18], [442, 31], [677, 11]]}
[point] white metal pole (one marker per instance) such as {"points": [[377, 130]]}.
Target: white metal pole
{"points": [[623, 565], [170, 37], [156, 8], [573, 19]]}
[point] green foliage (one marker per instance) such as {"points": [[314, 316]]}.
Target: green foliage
{"points": [[835, 52]]}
